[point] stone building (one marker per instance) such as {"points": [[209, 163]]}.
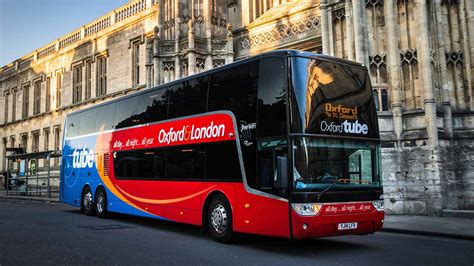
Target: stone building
{"points": [[420, 55]]}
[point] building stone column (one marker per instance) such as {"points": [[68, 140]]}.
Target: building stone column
{"points": [[191, 53], [230, 45], [323, 8], [349, 31], [331, 34], [424, 54], [208, 28], [469, 7], [394, 67], [359, 36], [156, 58], [177, 65], [465, 48], [448, 119], [365, 30], [456, 46], [149, 62], [244, 13]]}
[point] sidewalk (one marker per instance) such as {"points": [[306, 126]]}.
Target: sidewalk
{"points": [[3, 195], [459, 228]]}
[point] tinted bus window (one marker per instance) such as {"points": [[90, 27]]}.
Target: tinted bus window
{"points": [[140, 164], [126, 112], [188, 98], [105, 118], [87, 122], [73, 125], [153, 106], [185, 162], [272, 98], [249, 154], [222, 161], [236, 90]]}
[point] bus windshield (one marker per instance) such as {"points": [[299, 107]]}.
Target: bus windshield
{"points": [[320, 162], [333, 99]]}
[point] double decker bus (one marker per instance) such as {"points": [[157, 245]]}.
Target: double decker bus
{"points": [[282, 144]]}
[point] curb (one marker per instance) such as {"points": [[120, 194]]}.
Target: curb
{"points": [[427, 233], [47, 200]]}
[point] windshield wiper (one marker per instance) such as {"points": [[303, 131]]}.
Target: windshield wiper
{"points": [[328, 188]]}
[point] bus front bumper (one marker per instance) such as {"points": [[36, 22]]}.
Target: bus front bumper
{"points": [[323, 224]]}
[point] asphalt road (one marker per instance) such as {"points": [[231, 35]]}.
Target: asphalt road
{"points": [[37, 233]]}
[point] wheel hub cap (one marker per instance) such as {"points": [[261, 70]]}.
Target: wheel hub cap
{"points": [[87, 201], [100, 203], [219, 218]]}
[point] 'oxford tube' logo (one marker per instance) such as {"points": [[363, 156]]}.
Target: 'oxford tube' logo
{"points": [[345, 127], [83, 158]]}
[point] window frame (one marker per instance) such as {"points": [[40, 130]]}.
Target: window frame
{"points": [[101, 75], [37, 96], [48, 94], [77, 83], [26, 100]]}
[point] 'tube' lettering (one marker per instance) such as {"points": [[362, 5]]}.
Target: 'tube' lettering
{"points": [[83, 158]]}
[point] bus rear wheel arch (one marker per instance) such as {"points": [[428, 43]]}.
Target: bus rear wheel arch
{"points": [[101, 202], [87, 202], [218, 215]]}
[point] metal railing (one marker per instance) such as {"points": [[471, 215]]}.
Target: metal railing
{"points": [[33, 174]]}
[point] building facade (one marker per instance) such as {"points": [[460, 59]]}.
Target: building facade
{"points": [[420, 55]]}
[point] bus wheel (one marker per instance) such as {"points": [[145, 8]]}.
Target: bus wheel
{"points": [[220, 219], [101, 203], [87, 205]]}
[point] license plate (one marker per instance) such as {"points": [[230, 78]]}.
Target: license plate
{"points": [[346, 226]]}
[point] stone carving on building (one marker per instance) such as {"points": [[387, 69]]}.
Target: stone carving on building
{"points": [[280, 33]]}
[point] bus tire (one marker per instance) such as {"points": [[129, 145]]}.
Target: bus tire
{"points": [[87, 203], [101, 203], [219, 219]]}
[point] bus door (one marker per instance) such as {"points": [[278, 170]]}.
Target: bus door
{"points": [[266, 210]]}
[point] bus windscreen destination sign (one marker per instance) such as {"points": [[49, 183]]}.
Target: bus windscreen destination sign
{"points": [[200, 129], [342, 119]]}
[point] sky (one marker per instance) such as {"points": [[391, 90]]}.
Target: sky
{"points": [[26, 25]]}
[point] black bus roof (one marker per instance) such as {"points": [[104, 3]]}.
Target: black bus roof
{"points": [[287, 53]]}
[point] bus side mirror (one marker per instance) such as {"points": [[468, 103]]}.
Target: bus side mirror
{"points": [[282, 172]]}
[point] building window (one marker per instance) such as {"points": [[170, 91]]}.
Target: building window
{"points": [[380, 95], [77, 84], [101, 76], [46, 138], [35, 141], [57, 138], [13, 104], [48, 94], [26, 100], [59, 82], [136, 63], [12, 141], [37, 97], [24, 141], [4, 153], [7, 96], [57, 141], [88, 80]]}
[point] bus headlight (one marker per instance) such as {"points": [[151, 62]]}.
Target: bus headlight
{"points": [[378, 205], [307, 209]]}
